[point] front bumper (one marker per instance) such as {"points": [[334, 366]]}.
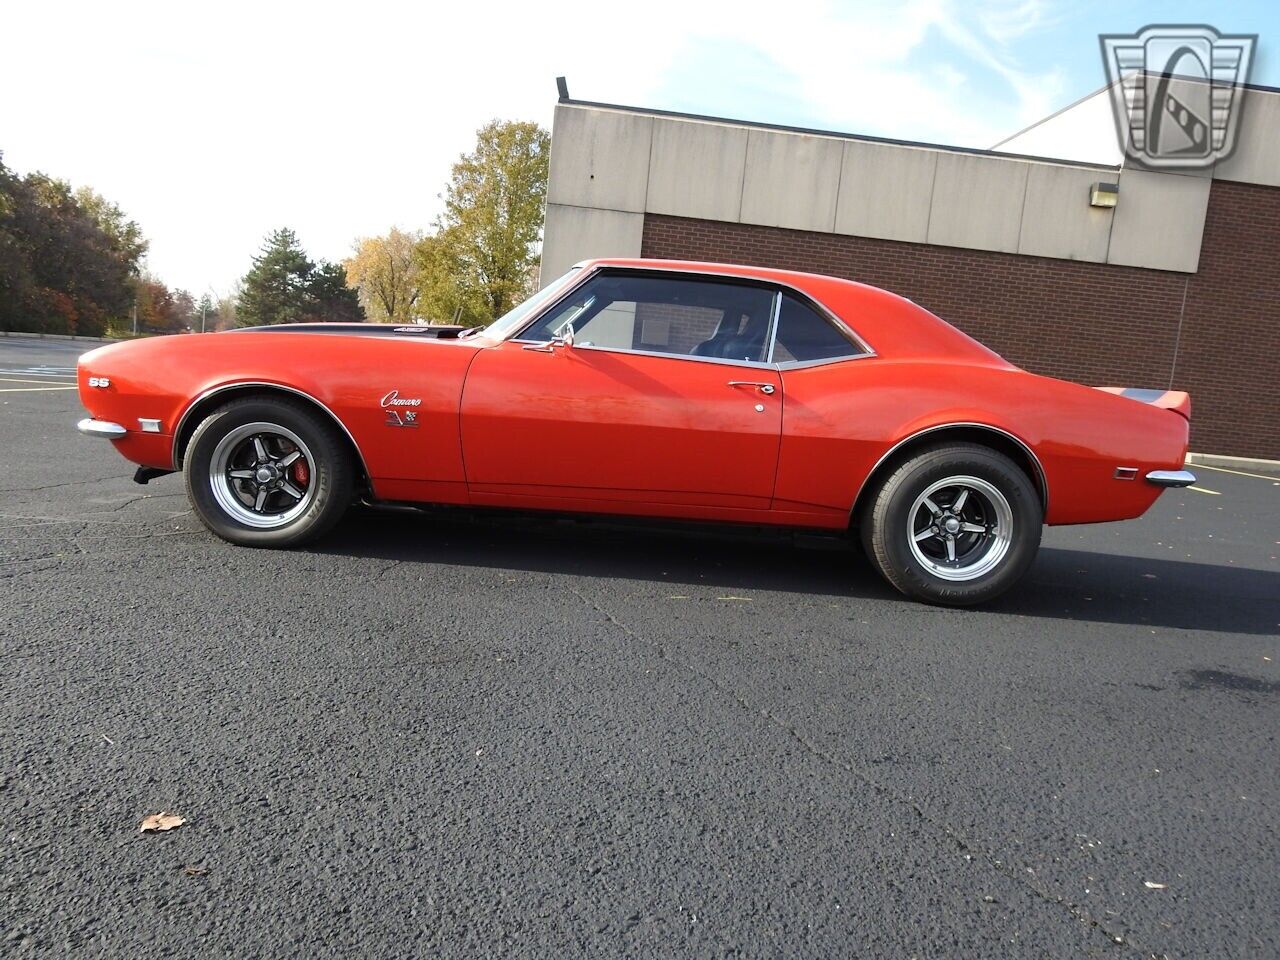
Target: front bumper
{"points": [[1171, 478], [101, 428]]}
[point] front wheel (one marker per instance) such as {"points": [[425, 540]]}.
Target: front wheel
{"points": [[268, 472], [955, 525]]}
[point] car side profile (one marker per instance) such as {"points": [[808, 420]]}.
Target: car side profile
{"points": [[657, 389]]}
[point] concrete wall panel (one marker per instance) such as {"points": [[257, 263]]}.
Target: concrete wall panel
{"points": [[1057, 220], [1159, 220], [580, 233], [791, 180], [885, 191], [977, 202], [1257, 154], [697, 169], [599, 158]]}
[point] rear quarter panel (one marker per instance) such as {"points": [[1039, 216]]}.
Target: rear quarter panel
{"points": [[839, 420], [162, 377]]}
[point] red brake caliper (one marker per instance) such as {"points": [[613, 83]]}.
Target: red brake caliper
{"points": [[301, 472]]}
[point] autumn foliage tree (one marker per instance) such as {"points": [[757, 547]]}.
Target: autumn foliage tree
{"points": [[388, 276], [484, 256], [69, 259]]}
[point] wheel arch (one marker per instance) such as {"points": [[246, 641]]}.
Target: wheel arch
{"points": [[995, 438], [211, 399]]}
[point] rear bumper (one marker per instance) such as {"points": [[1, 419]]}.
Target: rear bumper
{"points": [[101, 428], [1171, 478]]}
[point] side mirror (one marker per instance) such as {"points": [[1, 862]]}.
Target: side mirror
{"points": [[565, 339]]}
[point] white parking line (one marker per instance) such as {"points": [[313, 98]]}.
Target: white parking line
{"points": [[1213, 493], [38, 371], [16, 380], [33, 389], [1238, 473]]}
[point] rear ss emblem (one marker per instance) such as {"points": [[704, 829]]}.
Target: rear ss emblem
{"points": [[393, 403], [99, 382]]}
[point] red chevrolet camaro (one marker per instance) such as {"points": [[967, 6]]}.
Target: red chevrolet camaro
{"points": [[651, 388]]}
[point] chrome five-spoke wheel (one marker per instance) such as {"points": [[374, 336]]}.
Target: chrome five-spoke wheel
{"points": [[960, 528], [268, 471], [260, 474], [954, 523]]}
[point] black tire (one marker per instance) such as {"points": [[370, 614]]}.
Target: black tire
{"points": [[975, 566], [229, 511]]}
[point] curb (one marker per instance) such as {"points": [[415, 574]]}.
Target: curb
{"points": [[1241, 463], [55, 336]]}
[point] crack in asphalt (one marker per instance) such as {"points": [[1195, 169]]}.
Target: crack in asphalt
{"points": [[951, 833], [68, 483], [50, 521]]}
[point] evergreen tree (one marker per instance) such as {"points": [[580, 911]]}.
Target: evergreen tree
{"points": [[276, 287], [329, 298]]}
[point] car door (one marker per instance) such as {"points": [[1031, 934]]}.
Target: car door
{"points": [[662, 397]]}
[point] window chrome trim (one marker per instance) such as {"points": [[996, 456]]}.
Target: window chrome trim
{"points": [[772, 335], [841, 327], [186, 414], [755, 364], [825, 361], [779, 287], [1026, 448]]}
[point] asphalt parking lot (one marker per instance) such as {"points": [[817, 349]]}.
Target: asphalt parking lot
{"points": [[442, 736]]}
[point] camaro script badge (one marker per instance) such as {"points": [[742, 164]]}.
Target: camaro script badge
{"points": [[391, 401]]}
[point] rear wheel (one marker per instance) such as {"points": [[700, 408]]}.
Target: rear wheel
{"points": [[266, 471], [954, 525]]}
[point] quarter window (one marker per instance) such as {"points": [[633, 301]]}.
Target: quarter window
{"points": [[803, 334], [654, 314]]}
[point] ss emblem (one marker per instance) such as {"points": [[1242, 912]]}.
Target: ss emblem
{"points": [[99, 382]]}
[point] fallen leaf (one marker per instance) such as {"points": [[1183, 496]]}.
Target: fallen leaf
{"points": [[162, 821], [194, 870], [1154, 886]]}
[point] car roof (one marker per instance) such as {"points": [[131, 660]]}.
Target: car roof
{"points": [[893, 326]]}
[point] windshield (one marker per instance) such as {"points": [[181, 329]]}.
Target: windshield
{"points": [[516, 317]]}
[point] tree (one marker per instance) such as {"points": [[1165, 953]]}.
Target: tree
{"points": [[159, 308], [441, 298], [387, 273], [285, 286], [125, 234], [226, 311], [329, 298], [68, 260], [17, 281], [488, 237], [275, 288], [205, 316]]}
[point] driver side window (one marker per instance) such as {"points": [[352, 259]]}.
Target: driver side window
{"points": [[665, 315]]}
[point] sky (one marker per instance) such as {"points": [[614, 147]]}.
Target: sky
{"points": [[213, 124]]}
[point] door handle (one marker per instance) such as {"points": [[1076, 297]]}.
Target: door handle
{"points": [[765, 388]]}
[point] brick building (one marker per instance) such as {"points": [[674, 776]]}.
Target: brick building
{"points": [[1176, 286]]}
